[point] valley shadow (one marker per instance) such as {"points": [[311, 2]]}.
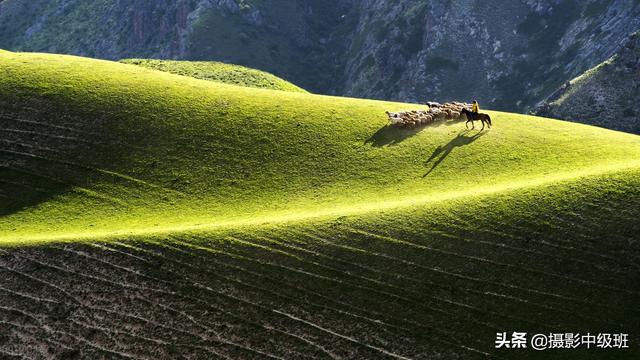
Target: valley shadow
{"points": [[443, 151]]}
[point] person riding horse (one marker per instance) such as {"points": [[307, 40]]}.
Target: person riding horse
{"points": [[475, 116], [475, 107]]}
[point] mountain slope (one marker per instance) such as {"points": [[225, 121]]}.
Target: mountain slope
{"points": [[607, 95], [156, 142], [508, 54], [147, 214], [390, 285], [219, 72]]}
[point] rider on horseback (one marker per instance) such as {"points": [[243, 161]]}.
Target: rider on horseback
{"points": [[475, 107], [474, 114]]}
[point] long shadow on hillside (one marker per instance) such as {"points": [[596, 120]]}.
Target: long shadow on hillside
{"points": [[392, 135], [442, 152]]}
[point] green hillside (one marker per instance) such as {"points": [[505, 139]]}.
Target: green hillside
{"points": [[240, 222], [219, 72]]}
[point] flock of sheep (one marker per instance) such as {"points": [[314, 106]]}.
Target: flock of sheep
{"points": [[436, 112]]}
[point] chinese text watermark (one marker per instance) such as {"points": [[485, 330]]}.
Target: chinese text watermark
{"points": [[521, 340]]}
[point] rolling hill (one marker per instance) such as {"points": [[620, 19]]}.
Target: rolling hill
{"points": [[151, 215], [219, 72]]}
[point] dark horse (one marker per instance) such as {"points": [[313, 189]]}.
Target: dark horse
{"points": [[473, 116]]}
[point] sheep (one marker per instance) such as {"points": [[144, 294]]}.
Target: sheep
{"points": [[395, 118], [436, 112], [440, 116], [448, 114]]}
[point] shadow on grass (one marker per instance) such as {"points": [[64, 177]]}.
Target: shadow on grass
{"points": [[443, 151], [392, 135], [52, 148]]}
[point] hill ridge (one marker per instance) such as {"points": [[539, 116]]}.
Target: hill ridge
{"points": [[605, 95], [218, 72], [332, 213]]}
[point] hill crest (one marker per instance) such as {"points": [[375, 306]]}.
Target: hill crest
{"points": [[218, 72]]}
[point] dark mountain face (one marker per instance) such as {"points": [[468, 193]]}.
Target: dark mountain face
{"points": [[507, 54], [607, 95]]}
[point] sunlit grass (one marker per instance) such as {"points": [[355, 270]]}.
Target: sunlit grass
{"points": [[169, 153], [218, 72]]}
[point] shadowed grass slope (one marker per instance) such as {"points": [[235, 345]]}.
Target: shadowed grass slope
{"points": [[219, 72], [211, 220], [425, 282]]}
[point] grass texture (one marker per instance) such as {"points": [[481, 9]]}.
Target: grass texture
{"points": [[301, 218], [219, 72], [125, 149]]}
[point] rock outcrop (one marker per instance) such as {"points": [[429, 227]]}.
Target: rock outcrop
{"points": [[507, 54], [607, 95]]}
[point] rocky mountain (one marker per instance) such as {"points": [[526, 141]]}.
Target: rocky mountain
{"points": [[607, 95], [508, 54]]}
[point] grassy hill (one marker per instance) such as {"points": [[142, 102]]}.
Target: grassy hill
{"points": [[219, 72], [147, 214]]}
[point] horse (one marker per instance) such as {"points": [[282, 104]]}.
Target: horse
{"points": [[473, 116]]}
